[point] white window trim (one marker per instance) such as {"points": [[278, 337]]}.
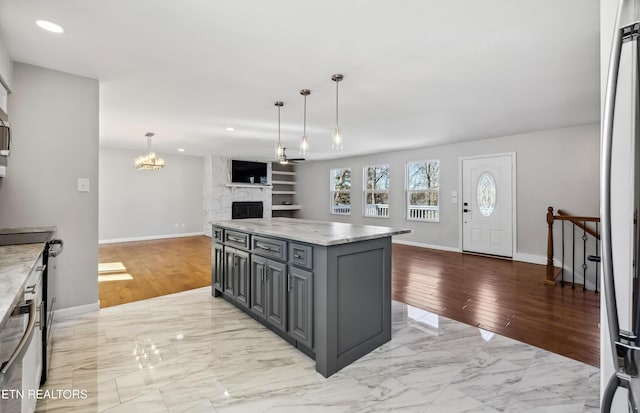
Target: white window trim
{"points": [[408, 192], [332, 192], [365, 177]]}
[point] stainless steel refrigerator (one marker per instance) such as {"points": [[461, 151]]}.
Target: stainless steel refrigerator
{"points": [[619, 207]]}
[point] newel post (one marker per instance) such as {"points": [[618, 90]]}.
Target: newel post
{"points": [[550, 279]]}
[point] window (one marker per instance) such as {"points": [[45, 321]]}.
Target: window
{"points": [[423, 190], [486, 194], [376, 191], [341, 191]]}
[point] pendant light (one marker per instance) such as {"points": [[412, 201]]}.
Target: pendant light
{"points": [[279, 148], [304, 140], [336, 143], [149, 161]]}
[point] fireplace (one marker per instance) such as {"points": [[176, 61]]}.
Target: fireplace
{"points": [[242, 210]]}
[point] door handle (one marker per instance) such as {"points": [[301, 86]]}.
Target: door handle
{"points": [[465, 210], [18, 353]]}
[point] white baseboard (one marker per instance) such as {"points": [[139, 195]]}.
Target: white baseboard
{"points": [[151, 237], [81, 309], [421, 245]]}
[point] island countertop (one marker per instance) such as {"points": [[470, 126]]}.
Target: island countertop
{"points": [[311, 232]]}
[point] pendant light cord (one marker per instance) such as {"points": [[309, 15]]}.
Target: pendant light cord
{"points": [[279, 125], [304, 131], [337, 123]]}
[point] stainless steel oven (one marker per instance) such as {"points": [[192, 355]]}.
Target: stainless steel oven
{"points": [[15, 337], [52, 250]]}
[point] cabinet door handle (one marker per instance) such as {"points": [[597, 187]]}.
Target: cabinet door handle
{"points": [[289, 282], [263, 247], [234, 239], [40, 268], [31, 289], [297, 256], [41, 310], [263, 271]]}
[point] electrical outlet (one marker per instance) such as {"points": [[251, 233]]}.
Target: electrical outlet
{"points": [[83, 185]]}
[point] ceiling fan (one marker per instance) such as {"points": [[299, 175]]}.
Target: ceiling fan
{"points": [[285, 160]]}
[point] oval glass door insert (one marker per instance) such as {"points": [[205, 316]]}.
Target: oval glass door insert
{"points": [[486, 194]]}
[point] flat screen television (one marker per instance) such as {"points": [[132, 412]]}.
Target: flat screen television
{"points": [[247, 172]]}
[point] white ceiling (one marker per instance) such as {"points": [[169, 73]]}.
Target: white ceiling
{"points": [[417, 72]]}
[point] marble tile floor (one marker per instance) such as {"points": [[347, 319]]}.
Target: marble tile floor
{"points": [[190, 352]]}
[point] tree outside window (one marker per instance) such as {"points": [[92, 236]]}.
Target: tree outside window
{"points": [[376, 191], [341, 191], [423, 190]]}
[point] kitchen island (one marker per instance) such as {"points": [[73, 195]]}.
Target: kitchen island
{"points": [[325, 287]]}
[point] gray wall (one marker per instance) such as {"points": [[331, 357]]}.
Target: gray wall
{"points": [[6, 66], [54, 120], [556, 168], [139, 204]]}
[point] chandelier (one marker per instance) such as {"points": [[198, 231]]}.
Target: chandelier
{"points": [[149, 161]]}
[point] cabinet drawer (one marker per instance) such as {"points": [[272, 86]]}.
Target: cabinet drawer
{"points": [[301, 255], [268, 247], [217, 234], [237, 239]]}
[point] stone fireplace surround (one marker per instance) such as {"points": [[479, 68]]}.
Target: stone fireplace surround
{"points": [[219, 194]]}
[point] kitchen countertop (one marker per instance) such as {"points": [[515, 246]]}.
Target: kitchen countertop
{"points": [[311, 232], [25, 230], [16, 263]]}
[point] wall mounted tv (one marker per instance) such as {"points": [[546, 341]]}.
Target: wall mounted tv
{"points": [[247, 172]]}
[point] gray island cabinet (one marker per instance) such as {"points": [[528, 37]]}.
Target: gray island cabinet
{"points": [[325, 287]]}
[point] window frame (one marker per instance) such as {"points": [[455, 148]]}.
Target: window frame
{"points": [[332, 191], [408, 192], [365, 191]]}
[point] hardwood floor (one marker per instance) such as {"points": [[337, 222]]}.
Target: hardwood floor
{"points": [[506, 297], [503, 296], [157, 267]]}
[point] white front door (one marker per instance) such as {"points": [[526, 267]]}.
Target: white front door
{"points": [[487, 205]]}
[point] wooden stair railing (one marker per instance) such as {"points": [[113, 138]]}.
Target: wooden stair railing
{"points": [[580, 222]]}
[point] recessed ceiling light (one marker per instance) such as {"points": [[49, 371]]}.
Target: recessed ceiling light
{"points": [[180, 149], [49, 26], [231, 129]]}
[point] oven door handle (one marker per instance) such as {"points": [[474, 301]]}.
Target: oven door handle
{"points": [[54, 252], [18, 353]]}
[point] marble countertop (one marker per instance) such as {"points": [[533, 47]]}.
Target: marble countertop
{"points": [[25, 230], [16, 263], [311, 232]]}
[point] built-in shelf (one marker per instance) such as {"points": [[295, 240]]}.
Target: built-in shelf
{"points": [[283, 193], [260, 186], [285, 207]]}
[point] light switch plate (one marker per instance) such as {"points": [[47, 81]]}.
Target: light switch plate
{"points": [[83, 185]]}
